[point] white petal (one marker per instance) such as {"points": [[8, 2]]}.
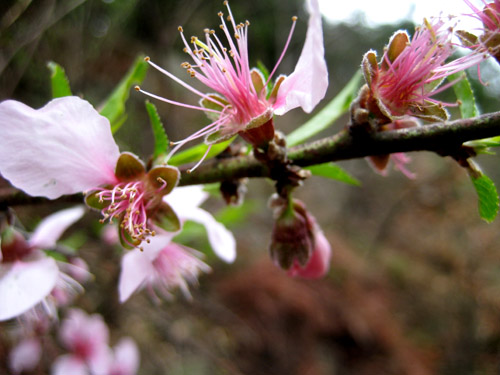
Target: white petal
{"points": [[221, 239], [24, 284], [52, 227], [307, 85], [185, 198], [65, 147]]}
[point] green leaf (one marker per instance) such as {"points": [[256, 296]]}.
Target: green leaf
{"points": [[231, 216], [488, 197], [195, 153], [333, 171], [114, 106], [58, 80], [324, 118], [465, 95], [161, 139]]}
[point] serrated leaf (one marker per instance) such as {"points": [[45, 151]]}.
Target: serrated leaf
{"points": [[58, 80], [161, 139], [195, 153], [488, 197], [114, 106], [333, 171], [324, 118], [465, 95]]}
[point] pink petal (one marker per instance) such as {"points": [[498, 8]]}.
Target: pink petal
{"points": [[52, 227], [126, 360], [136, 268], [86, 333], [25, 356], [221, 239], [319, 263], [307, 85], [24, 284], [65, 147], [69, 364]]}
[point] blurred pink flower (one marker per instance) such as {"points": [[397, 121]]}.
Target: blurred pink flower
{"points": [[24, 357], [161, 266], [27, 274], [67, 147], [125, 358], [489, 41], [242, 100], [86, 338]]}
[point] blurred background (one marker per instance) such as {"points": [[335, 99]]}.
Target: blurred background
{"points": [[414, 285]]}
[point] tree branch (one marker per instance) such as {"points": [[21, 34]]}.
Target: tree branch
{"points": [[444, 138]]}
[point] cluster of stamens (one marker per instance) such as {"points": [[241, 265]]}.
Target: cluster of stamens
{"points": [[127, 202]]}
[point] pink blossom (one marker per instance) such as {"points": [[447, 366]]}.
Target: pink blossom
{"points": [[319, 262], [241, 100], [86, 338], [67, 147], [489, 41], [411, 72], [125, 359], [27, 274], [24, 357], [160, 267]]}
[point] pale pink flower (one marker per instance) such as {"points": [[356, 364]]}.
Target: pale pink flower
{"points": [[411, 71], [160, 267], [125, 358], [86, 338], [241, 100], [67, 147], [27, 274], [24, 357]]}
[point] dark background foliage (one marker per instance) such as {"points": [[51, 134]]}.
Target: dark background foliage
{"points": [[415, 279]]}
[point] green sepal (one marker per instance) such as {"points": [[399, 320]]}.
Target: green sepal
{"points": [[129, 167], [166, 218], [126, 240], [217, 137], [430, 112], [370, 67], [93, 201], [467, 39], [258, 80], [209, 104], [274, 91], [260, 119], [58, 80], [195, 153], [166, 173], [161, 139], [398, 42]]}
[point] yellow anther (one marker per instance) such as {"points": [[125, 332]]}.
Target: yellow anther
{"points": [[225, 3], [181, 30], [294, 18], [220, 14], [147, 58], [137, 88], [221, 27], [206, 31]]}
